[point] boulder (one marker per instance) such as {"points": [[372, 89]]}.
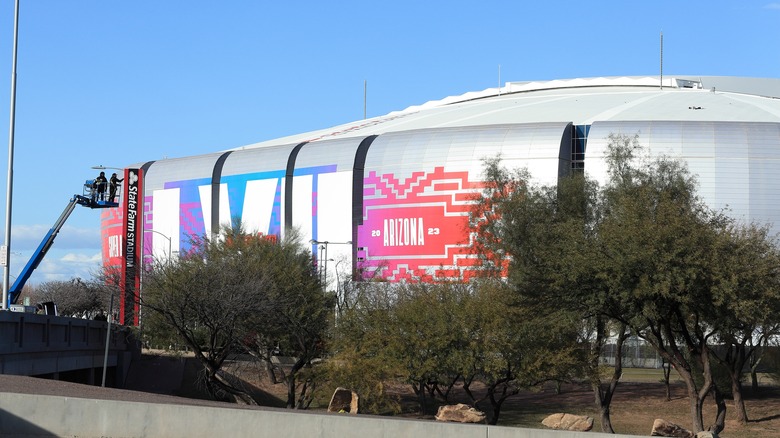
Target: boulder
{"points": [[560, 421], [460, 413], [344, 400], [665, 428]]}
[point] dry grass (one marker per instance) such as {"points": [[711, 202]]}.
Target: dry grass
{"points": [[637, 403]]}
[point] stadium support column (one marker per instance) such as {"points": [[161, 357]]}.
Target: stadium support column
{"points": [[130, 273]]}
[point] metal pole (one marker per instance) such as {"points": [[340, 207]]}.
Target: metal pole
{"points": [[662, 60], [169, 239], [325, 267], [108, 337], [321, 262], [499, 79], [10, 185], [339, 299]]}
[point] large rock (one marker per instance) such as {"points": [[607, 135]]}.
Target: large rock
{"points": [[666, 428], [460, 413], [344, 400], [560, 421]]}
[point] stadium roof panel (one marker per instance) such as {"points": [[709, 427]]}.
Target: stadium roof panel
{"points": [[581, 101]]}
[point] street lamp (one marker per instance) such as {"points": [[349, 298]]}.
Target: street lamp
{"points": [[323, 244], [102, 167], [166, 238]]}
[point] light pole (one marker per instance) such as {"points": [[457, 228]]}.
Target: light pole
{"points": [[166, 238], [108, 337], [6, 256], [323, 244]]}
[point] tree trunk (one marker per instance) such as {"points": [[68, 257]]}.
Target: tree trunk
{"points": [[445, 395], [667, 372], [238, 395], [753, 379], [496, 411], [739, 402], [602, 394], [710, 387], [291, 378], [467, 389], [735, 359], [291, 391], [307, 394], [419, 390], [697, 420], [269, 370], [606, 421], [214, 381], [754, 359], [720, 417], [496, 405]]}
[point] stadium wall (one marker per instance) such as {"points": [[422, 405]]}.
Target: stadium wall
{"points": [[394, 202]]}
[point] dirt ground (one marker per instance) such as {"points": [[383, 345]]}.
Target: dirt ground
{"points": [[168, 379], [637, 403]]}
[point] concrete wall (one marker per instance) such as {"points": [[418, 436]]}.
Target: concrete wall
{"points": [[23, 415], [35, 345]]}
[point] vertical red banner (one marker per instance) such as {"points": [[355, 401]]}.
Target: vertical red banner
{"points": [[131, 272]]}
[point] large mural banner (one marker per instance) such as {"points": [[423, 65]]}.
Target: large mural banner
{"points": [[417, 228]]}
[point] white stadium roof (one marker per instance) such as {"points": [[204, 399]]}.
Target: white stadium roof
{"points": [[580, 101]]}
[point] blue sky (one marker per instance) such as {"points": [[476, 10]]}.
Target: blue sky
{"points": [[117, 83]]}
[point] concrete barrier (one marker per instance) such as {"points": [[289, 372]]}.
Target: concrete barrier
{"points": [[24, 415], [35, 345]]}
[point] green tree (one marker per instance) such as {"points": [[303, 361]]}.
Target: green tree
{"points": [[412, 329], [658, 240], [360, 359], [296, 314], [547, 235], [432, 335], [241, 292], [425, 334], [746, 307], [514, 347], [643, 254]]}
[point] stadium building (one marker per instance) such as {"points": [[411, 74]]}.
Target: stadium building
{"points": [[390, 194]]}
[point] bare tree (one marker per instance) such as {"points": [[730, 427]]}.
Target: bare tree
{"points": [[73, 297]]}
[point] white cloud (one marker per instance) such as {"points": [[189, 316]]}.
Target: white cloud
{"points": [[82, 258], [28, 237], [61, 265]]}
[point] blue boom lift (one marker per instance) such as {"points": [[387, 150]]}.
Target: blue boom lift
{"points": [[92, 197]]}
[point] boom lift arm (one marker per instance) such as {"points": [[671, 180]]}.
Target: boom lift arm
{"points": [[89, 199]]}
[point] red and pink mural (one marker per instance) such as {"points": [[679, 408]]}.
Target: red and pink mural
{"points": [[416, 228]]}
